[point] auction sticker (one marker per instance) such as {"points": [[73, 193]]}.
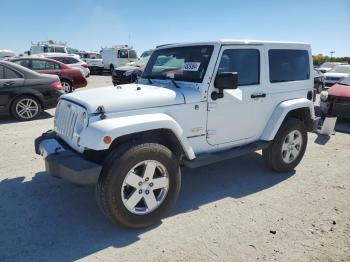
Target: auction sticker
{"points": [[191, 66]]}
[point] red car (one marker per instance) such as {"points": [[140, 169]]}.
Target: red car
{"points": [[336, 100], [71, 78]]}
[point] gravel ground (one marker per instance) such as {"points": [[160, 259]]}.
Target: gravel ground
{"points": [[232, 211]]}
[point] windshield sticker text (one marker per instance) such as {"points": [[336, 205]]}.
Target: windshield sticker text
{"points": [[191, 66]]}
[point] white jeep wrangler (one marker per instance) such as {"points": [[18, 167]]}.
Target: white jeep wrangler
{"points": [[194, 105]]}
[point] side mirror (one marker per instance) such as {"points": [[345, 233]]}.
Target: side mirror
{"points": [[226, 80]]}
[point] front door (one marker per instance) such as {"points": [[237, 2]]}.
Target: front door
{"points": [[241, 115]]}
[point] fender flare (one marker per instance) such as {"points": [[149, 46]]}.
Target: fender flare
{"points": [[92, 136], [280, 113]]}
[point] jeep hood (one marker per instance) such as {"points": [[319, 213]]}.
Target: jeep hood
{"points": [[126, 97]]}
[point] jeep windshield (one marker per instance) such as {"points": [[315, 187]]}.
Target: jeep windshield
{"points": [[186, 63]]}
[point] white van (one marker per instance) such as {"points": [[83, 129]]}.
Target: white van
{"points": [[117, 56], [48, 47]]}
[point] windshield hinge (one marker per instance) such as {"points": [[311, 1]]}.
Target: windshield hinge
{"points": [[211, 132], [211, 105]]}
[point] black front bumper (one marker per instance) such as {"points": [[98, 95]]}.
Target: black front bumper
{"points": [[65, 163]]}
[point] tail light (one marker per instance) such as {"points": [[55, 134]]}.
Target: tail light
{"points": [[56, 85], [85, 65]]}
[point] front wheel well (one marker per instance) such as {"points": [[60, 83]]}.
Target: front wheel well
{"points": [[164, 137]]}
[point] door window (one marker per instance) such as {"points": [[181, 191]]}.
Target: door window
{"points": [[123, 54], [25, 63], [44, 65], [246, 62], [11, 74]]}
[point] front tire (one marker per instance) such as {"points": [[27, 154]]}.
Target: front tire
{"points": [[288, 148], [139, 184]]}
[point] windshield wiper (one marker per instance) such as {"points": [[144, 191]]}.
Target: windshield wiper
{"points": [[173, 81]]}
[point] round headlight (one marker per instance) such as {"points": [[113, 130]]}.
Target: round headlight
{"points": [[324, 96], [84, 120]]}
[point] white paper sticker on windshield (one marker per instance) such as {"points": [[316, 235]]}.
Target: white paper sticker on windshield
{"points": [[191, 66]]}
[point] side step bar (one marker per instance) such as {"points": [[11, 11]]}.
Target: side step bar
{"points": [[211, 158]]}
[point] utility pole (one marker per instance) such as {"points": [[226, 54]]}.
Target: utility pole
{"points": [[332, 52]]}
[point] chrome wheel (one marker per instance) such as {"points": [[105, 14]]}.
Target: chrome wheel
{"points": [[27, 108], [145, 187], [66, 87], [291, 146]]}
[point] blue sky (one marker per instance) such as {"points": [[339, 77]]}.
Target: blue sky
{"points": [[90, 25]]}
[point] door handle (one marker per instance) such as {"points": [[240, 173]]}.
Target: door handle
{"points": [[257, 95], [9, 83]]}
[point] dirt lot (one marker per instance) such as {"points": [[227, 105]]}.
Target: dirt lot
{"points": [[234, 211]]}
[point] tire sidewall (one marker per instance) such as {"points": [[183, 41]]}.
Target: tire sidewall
{"points": [[119, 169]]}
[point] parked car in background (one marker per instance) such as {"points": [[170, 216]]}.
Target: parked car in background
{"points": [[71, 60], [117, 56], [6, 54], [131, 71], [337, 74], [25, 93], [319, 81], [336, 100], [94, 61], [71, 78], [328, 66]]}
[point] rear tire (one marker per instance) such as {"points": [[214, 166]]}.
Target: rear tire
{"points": [[67, 86], [288, 148], [139, 184], [26, 108]]}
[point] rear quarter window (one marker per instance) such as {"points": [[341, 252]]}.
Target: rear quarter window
{"points": [[288, 65]]}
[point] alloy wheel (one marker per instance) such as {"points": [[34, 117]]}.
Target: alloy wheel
{"points": [[27, 108], [145, 187], [291, 146]]}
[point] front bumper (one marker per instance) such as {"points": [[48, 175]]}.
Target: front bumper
{"points": [[63, 162]]}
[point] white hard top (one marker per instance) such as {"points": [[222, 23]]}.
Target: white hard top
{"points": [[237, 42]]}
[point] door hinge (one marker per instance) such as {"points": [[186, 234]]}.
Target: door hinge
{"points": [[211, 105], [211, 132]]}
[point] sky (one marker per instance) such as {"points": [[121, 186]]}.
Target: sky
{"points": [[92, 24]]}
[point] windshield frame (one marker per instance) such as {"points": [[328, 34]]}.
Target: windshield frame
{"points": [[155, 54]]}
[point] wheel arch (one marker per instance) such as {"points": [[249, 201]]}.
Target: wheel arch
{"points": [[159, 128], [301, 108]]}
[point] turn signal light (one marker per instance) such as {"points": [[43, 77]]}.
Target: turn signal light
{"points": [[56, 85], [85, 65], [107, 140]]}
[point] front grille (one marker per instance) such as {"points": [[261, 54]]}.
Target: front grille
{"points": [[118, 73], [66, 118], [341, 107]]}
